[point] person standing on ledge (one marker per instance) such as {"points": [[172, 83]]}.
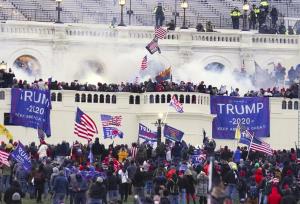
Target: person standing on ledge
{"points": [[235, 16], [159, 15]]}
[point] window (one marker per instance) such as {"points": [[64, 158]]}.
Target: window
{"points": [[296, 105], [290, 105], [7, 119], [131, 99], [283, 105], [53, 96], [2, 95], [114, 99], [137, 100], [101, 98], [157, 98], [181, 99], [187, 99], [89, 98], [59, 97], [163, 98], [107, 98], [168, 98], [194, 99], [95, 98], [83, 98], [151, 99], [77, 97]]}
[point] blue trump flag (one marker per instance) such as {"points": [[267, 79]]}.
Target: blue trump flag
{"points": [[112, 132], [21, 156], [172, 133], [147, 134], [31, 108], [252, 113]]}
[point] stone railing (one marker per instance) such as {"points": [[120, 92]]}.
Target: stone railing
{"points": [[82, 32]]}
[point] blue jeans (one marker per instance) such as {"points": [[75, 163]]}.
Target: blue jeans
{"points": [[95, 201], [183, 196], [174, 199], [232, 192], [6, 182], [58, 198], [112, 195], [140, 191], [149, 187], [80, 198], [24, 186]]}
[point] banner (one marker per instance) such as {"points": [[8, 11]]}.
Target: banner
{"points": [[21, 156], [31, 108], [147, 134], [253, 114], [172, 133]]}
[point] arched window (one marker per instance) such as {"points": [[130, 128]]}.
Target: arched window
{"points": [[107, 98], [283, 106], [113, 99], [101, 98], [77, 97], [290, 105], [151, 98], [89, 98], [59, 97], [2, 95], [83, 98], [181, 99], [53, 96], [187, 99], [296, 105], [194, 99], [131, 99], [157, 98], [96, 98], [168, 98], [163, 98], [137, 100]]}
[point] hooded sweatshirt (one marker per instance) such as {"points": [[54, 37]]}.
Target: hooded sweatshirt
{"points": [[274, 197]]}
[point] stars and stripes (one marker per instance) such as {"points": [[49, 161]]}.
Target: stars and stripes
{"points": [[160, 32], [176, 104], [85, 127], [144, 64], [258, 145], [108, 120], [152, 47], [4, 158]]}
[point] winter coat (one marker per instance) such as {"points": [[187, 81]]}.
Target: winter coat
{"points": [[97, 191], [274, 197], [60, 184], [202, 184]]}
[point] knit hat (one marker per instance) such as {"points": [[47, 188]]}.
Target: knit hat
{"points": [[99, 179], [256, 165], [16, 196]]}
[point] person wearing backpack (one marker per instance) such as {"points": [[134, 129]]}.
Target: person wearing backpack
{"points": [[202, 187], [173, 188]]}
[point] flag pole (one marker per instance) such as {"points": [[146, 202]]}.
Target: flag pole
{"points": [[252, 136]]}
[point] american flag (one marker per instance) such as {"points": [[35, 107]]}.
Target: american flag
{"points": [[108, 120], [4, 158], [160, 32], [152, 47], [176, 104], [258, 145], [144, 64], [85, 127]]}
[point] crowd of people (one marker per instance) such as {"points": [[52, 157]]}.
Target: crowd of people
{"points": [[171, 173], [275, 78]]}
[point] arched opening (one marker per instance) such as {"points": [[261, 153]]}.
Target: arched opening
{"points": [[290, 105], [77, 97], [113, 99], [194, 99], [28, 64], [95, 98], [107, 98], [296, 105], [83, 98], [101, 98], [137, 100], [89, 98], [131, 99], [157, 98], [187, 99], [181, 99], [283, 106], [59, 97], [53, 96], [151, 98], [168, 98], [215, 67], [163, 98]]}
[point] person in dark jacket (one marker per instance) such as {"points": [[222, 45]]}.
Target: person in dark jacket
{"points": [[159, 15], [138, 183], [189, 183], [97, 192], [113, 182], [81, 188], [39, 182], [60, 188], [13, 194], [97, 149]]}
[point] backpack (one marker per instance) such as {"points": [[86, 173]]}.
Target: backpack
{"points": [[253, 192], [16, 196], [175, 188]]}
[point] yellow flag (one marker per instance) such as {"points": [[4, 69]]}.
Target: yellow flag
{"points": [[4, 131], [238, 132]]}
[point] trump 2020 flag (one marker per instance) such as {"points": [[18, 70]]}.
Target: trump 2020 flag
{"points": [[173, 134], [31, 108], [147, 134], [176, 104], [246, 138], [21, 156], [112, 132]]}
